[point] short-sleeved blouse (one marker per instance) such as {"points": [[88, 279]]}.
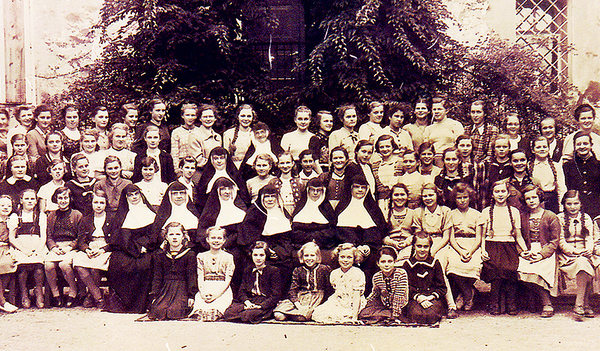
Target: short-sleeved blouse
{"points": [[465, 223], [346, 283], [433, 223], [215, 267], [502, 228]]}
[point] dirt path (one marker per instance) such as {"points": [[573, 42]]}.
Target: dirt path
{"points": [[80, 329]]}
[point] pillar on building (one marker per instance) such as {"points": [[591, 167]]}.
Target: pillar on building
{"points": [[17, 67]]}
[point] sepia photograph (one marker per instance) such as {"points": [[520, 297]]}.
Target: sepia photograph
{"points": [[299, 175]]}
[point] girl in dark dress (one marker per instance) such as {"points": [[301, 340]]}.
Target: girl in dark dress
{"points": [[425, 283], [335, 180], [452, 173], [132, 242], [94, 253], [361, 165], [71, 134], [260, 290], [54, 147], [220, 165], [174, 282], [582, 173], [319, 143]]}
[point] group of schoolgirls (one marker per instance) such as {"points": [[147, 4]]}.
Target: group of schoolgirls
{"points": [[113, 200]]}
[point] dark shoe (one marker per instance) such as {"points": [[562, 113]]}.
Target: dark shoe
{"points": [[452, 314], [71, 302], [88, 302], [547, 311], [512, 311], [495, 310], [578, 313], [469, 305], [588, 312], [25, 302], [57, 301], [101, 304]]}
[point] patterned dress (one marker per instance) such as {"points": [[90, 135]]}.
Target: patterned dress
{"points": [[339, 307]]}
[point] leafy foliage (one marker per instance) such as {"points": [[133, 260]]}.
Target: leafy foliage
{"points": [[398, 50], [360, 50], [176, 49]]}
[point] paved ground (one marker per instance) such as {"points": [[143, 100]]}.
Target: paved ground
{"points": [[81, 329]]}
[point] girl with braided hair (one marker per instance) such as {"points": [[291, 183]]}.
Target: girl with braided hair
{"points": [[238, 139], [500, 248], [548, 173], [576, 257], [537, 266]]}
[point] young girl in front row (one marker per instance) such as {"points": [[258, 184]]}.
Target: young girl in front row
{"points": [[7, 262], [576, 257], [310, 285], [94, 252], [27, 231], [174, 276], [349, 284], [434, 220], [390, 289], [464, 259], [426, 286], [541, 231], [64, 226], [215, 270], [260, 289], [502, 242]]}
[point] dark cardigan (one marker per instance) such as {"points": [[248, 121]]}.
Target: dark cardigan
{"points": [[269, 284], [549, 232]]}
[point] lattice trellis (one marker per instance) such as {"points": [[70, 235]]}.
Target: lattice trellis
{"points": [[542, 26]]}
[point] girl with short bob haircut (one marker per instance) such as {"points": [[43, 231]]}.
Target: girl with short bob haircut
{"points": [[310, 286], [260, 289], [390, 290], [174, 276], [348, 282]]}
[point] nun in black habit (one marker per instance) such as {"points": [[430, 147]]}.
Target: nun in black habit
{"points": [[133, 241], [360, 222], [220, 165], [224, 208], [176, 206], [314, 219], [268, 221]]}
